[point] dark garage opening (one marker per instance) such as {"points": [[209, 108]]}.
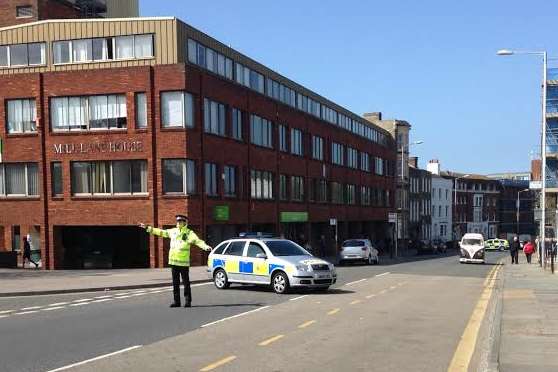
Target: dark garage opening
{"points": [[106, 247]]}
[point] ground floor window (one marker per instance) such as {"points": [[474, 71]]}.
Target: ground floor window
{"points": [[119, 177]]}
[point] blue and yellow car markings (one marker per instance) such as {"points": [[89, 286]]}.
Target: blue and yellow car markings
{"points": [[217, 262]]}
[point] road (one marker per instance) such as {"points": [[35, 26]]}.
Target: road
{"points": [[408, 316]]}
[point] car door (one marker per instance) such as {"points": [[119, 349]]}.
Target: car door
{"points": [[255, 269], [233, 256]]}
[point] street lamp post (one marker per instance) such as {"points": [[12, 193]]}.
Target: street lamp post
{"points": [[455, 198], [517, 211], [507, 52]]}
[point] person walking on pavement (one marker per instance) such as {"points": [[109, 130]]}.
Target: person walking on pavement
{"points": [[27, 253], [181, 238], [322, 246], [528, 249], [515, 247]]}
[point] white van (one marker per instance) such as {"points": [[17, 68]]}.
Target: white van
{"points": [[472, 248]]}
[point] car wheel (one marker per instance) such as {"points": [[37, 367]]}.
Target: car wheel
{"points": [[221, 280], [280, 283]]}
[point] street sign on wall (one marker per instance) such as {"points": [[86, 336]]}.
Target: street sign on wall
{"points": [[333, 221], [294, 216], [221, 213], [392, 217]]}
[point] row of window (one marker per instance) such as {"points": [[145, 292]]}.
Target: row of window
{"points": [[21, 55], [213, 61]]}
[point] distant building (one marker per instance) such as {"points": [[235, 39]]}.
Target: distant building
{"points": [[420, 199], [516, 209], [442, 192]]}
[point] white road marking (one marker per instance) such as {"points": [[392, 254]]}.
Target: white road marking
{"points": [[3, 316], [83, 300], [96, 358], [104, 296], [54, 308], [298, 298], [103, 300], [31, 308], [6, 311], [58, 304], [81, 304], [356, 281], [27, 312], [370, 296], [382, 274], [119, 297], [235, 316]]}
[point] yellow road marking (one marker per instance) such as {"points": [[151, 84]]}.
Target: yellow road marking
{"points": [[270, 340], [370, 296], [306, 324], [334, 311], [218, 363], [355, 302], [466, 347]]}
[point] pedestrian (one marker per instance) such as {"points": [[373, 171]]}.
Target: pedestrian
{"points": [[515, 247], [322, 246], [528, 249], [181, 238], [27, 252]]}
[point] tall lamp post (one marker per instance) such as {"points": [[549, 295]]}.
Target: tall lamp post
{"points": [[517, 210], [507, 52], [455, 197]]}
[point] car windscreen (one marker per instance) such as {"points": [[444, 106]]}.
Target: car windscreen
{"points": [[471, 242], [285, 248], [353, 243]]}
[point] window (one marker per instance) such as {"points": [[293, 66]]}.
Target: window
{"points": [[254, 249], [297, 188], [56, 178], [229, 180], [365, 162], [141, 110], [337, 153], [261, 131], [296, 142], [82, 50], [19, 179], [61, 52], [179, 176], [143, 46], [379, 166], [214, 117], [281, 92], [236, 124], [88, 113], [177, 109], [320, 190], [283, 194], [336, 193], [119, 177], [19, 55], [124, 47], [261, 184], [101, 49], [211, 179], [22, 116], [209, 59], [283, 138], [351, 194], [352, 158], [24, 11], [235, 248], [249, 78], [37, 54], [317, 148], [365, 195], [4, 58]]}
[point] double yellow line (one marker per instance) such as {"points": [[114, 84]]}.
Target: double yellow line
{"points": [[464, 352]]}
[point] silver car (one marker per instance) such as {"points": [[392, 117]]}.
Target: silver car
{"points": [[280, 263], [358, 250]]}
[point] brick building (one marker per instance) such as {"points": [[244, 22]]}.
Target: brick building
{"points": [[420, 200], [108, 122]]}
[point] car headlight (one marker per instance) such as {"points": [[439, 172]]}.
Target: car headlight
{"points": [[302, 268]]}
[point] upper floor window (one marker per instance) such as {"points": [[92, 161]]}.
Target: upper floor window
{"points": [[122, 177], [261, 184], [261, 133], [379, 166], [351, 194], [317, 148], [236, 131], [211, 179], [280, 92], [337, 153], [249, 78], [296, 142], [179, 176], [88, 113], [177, 109], [20, 55], [365, 195], [336, 193], [24, 11], [19, 179], [283, 130], [297, 188], [352, 158], [141, 110], [229, 180], [365, 162], [214, 117], [209, 59], [56, 178], [103, 49], [21, 116], [283, 193]]}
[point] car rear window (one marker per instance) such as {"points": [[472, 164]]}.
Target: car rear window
{"points": [[353, 243], [285, 248], [235, 248], [471, 242], [220, 248]]}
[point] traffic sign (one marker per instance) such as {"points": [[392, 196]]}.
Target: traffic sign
{"points": [[392, 217]]}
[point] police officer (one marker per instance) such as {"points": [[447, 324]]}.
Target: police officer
{"points": [[181, 238]]}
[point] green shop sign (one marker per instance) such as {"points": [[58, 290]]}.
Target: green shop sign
{"points": [[221, 213], [294, 216]]}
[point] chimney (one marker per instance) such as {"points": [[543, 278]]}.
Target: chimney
{"points": [[433, 166], [413, 161], [371, 116]]}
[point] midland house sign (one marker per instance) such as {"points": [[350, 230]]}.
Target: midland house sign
{"points": [[98, 147]]}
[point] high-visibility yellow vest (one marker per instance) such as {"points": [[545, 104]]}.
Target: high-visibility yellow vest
{"points": [[180, 241]]}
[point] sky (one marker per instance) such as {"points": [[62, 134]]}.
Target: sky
{"points": [[431, 63]]}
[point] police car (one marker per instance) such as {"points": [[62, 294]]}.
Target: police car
{"points": [[280, 263]]}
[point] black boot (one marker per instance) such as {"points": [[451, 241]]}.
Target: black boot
{"points": [[188, 304]]}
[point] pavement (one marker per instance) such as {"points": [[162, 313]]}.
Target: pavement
{"points": [[32, 282], [529, 318]]}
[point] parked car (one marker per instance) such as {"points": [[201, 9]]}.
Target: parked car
{"points": [[280, 263], [358, 250], [438, 246]]}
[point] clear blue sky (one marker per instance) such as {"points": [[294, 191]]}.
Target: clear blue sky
{"points": [[432, 63]]}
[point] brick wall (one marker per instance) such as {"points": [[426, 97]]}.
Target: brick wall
{"points": [[42, 9]]}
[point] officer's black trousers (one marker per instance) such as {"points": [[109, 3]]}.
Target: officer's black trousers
{"points": [[177, 272]]}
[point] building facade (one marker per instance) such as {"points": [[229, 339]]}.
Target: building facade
{"points": [[420, 199], [442, 191], [109, 122]]}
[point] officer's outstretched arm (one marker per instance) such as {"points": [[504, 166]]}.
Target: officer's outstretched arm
{"points": [[157, 232], [198, 242]]}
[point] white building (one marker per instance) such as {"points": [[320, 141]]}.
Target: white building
{"points": [[441, 203]]}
